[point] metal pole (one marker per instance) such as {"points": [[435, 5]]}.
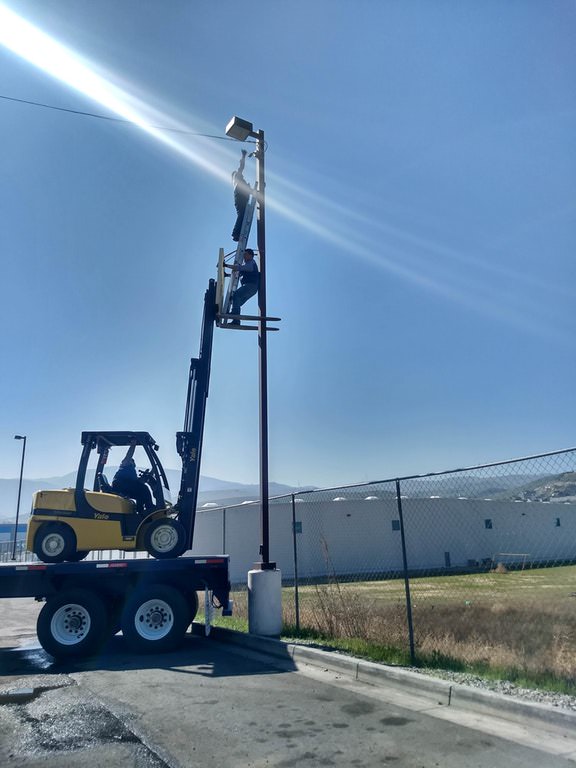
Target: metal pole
{"points": [[18, 437], [406, 578], [296, 594], [263, 359]]}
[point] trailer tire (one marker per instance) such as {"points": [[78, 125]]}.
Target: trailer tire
{"points": [[54, 543], [165, 538], [73, 623], [155, 619]]}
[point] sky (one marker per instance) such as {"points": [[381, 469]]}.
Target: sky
{"points": [[420, 230]]}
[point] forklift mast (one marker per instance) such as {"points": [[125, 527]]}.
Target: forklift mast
{"points": [[189, 441]]}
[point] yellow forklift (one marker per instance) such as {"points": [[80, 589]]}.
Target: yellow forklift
{"points": [[65, 525]]}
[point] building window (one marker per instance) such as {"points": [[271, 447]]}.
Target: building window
{"points": [[488, 523], [395, 525]]}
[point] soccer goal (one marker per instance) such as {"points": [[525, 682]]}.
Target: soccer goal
{"points": [[515, 560]]}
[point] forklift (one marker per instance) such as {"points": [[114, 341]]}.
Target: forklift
{"points": [[65, 525]]}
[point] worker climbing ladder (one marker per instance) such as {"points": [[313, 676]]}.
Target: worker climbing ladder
{"points": [[224, 296], [239, 255]]}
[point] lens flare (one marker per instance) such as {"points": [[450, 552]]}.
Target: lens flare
{"points": [[368, 238]]}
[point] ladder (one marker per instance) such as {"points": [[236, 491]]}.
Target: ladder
{"points": [[239, 256], [224, 302]]}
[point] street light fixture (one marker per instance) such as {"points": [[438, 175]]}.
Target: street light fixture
{"points": [[241, 129], [23, 438]]}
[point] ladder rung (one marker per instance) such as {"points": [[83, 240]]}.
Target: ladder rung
{"points": [[233, 327], [227, 316]]}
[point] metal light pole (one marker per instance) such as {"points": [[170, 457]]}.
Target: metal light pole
{"points": [[241, 130], [19, 437]]}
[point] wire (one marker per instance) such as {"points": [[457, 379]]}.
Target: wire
{"points": [[114, 119]]}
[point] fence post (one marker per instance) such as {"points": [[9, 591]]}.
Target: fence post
{"points": [[224, 531], [406, 577], [296, 596]]}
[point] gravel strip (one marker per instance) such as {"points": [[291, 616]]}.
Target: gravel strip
{"points": [[504, 687]]}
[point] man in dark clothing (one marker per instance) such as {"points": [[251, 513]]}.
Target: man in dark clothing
{"points": [[250, 282], [242, 193], [127, 483]]}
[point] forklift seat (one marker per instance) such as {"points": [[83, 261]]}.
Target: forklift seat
{"points": [[104, 486]]}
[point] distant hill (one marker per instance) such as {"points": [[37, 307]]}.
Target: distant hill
{"points": [[552, 488], [212, 491]]}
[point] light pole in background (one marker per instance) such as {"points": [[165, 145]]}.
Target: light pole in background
{"points": [[241, 129], [23, 438]]}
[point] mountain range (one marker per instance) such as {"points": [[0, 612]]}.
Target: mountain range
{"points": [[212, 491]]}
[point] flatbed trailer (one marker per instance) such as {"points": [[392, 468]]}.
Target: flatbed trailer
{"points": [[152, 601]]}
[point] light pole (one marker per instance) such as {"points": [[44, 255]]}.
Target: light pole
{"points": [[23, 438], [242, 129]]}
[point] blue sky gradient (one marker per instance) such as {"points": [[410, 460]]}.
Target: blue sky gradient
{"points": [[420, 231]]}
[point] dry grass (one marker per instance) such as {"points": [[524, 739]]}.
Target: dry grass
{"points": [[522, 622]]}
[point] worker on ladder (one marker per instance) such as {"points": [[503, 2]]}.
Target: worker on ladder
{"points": [[250, 282], [242, 192]]}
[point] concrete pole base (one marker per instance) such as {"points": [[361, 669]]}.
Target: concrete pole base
{"points": [[265, 603]]}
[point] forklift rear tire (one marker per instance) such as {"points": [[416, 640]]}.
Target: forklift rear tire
{"points": [[155, 619], [72, 624], [54, 543], [164, 538], [80, 554]]}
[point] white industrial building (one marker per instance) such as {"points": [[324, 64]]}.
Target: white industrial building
{"points": [[363, 537]]}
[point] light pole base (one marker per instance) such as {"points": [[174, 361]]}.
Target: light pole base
{"points": [[265, 602]]}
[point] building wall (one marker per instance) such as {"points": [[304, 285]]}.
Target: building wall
{"points": [[361, 537]]}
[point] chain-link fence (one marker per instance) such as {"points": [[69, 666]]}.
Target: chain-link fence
{"points": [[474, 565], [10, 553]]}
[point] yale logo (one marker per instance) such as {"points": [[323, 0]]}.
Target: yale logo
{"points": [[101, 516]]}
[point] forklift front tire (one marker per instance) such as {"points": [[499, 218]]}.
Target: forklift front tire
{"points": [[165, 538], [54, 543]]}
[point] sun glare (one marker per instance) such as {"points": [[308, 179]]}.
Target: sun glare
{"points": [[58, 61], [370, 239]]}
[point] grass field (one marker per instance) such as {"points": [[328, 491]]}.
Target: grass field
{"points": [[519, 624]]}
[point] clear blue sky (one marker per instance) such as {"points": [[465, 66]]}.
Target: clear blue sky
{"points": [[420, 230]]}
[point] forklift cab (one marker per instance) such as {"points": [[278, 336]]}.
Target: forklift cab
{"points": [[66, 524], [102, 442]]}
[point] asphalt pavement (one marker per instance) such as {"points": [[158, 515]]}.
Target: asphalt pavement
{"points": [[232, 700]]}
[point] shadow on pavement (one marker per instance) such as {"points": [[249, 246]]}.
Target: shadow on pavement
{"points": [[198, 656]]}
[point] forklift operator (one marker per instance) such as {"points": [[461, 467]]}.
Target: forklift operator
{"points": [[127, 483]]}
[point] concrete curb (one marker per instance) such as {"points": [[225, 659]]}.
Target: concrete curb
{"points": [[18, 695], [443, 692]]}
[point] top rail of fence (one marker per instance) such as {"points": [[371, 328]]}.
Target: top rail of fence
{"points": [[404, 478]]}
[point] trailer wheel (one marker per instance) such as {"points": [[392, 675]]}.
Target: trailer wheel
{"points": [[155, 619], [54, 543], [165, 537], [73, 623]]}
